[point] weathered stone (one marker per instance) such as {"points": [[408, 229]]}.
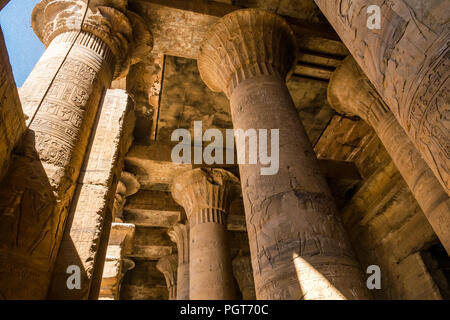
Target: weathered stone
{"points": [[168, 267], [383, 220], [144, 282], [60, 98], [151, 244], [86, 234], [350, 92], [206, 195], [179, 234], [407, 61], [291, 216], [12, 122]]}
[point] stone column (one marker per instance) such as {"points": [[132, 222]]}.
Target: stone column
{"points": [[86, 47], [242, 269], [168, 267], [120, 244], [407, 60], [86, 234], [298, 245], [206, 194], [12, 121], [179, 234], [351, 93]]}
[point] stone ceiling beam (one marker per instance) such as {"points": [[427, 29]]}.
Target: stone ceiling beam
{"points": [[179, 26], [155, 170], [218, 9]]}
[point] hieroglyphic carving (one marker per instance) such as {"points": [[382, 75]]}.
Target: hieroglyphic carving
{"points": [[91, 214], [407, 61], [350, 92], [291, 215], [85, 48]]}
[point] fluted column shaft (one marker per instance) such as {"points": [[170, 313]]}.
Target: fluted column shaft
{"points": [[205, 195], [407, 60], [350, 92], [60, 98], [180, 235], [298, 246]]}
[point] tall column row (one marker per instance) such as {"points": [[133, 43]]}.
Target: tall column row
{"points": [[298, 245], [350, 92], [403, 48]]}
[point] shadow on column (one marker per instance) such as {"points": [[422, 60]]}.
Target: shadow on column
{"points": [[32, 222]]}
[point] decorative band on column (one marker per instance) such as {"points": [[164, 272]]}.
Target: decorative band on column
{"points": [[206, 215], [350, 92], [407, 59], [205, 194], [88, 40]]}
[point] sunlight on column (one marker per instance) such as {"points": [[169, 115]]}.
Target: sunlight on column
{"points": [[313, 284]]}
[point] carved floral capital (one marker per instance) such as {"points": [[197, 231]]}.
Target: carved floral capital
{"points": [[205, 193], [243, 44], [351, 93], [108, 20]]}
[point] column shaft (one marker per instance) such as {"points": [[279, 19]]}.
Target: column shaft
{"points": [[407, 60], [351, 92], [86, 234], [206, 196], [433, 200], [60, 97], [120, 244], [168, 267], [210, 269], [298, 246], [242, 267]]}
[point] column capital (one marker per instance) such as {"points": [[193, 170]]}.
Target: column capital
{"points": [[127, 186], [168, 265], [107, 20], [205, 194], [351, 93], [179, 234], [243, 44]]}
